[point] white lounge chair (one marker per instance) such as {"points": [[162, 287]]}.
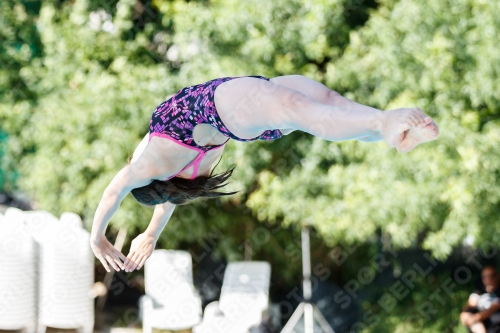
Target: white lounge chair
{"points": [[66, 277], [171, 301], [18, 292], [244, 297]]}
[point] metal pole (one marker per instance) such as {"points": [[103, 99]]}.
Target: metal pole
{"points": [[306, 268], [108, 278], [308, 318], [307, 308], [306, 264]]}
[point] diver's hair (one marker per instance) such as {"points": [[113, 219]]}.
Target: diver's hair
{"points": [[181, 191]]}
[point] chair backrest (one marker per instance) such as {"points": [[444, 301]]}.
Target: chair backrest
{"points": [[66, 276], [245, 290], [18, 289], [13, 218], [41, 224], [71, 219], [169, 276]]}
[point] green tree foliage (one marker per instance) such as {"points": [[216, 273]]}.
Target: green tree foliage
{"points": [[421, 310], [103, 73], [441, 57], [80, 79], [19, 46]]}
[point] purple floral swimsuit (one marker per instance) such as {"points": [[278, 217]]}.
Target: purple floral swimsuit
{"points": [[176, 118]]}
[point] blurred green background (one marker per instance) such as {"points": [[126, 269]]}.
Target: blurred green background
{"points": [[80, 79]]}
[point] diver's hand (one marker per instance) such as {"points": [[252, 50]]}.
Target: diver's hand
{"points": [[141, 249], [107, 253]]}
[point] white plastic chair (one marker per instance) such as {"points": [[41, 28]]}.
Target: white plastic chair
{"points": [[18, 289], [40, 224], [171, 301], [244, 297], [66, 277]]}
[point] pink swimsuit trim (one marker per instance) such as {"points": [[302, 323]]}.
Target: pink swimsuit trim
{"points": [[196, 162]]}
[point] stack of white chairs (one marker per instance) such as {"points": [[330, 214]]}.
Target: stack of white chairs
{"points": [[18, 296], [47, 272], [66, 277], [40, 224], [171, 301], [244, 297]]}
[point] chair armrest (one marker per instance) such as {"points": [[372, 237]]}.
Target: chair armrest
{"points": [[265, 314], [255, 318], [212, 310], [146, 301], [145, 304]]}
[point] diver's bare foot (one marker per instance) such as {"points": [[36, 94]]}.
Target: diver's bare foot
{"points": [[417, 135], [405, 128]]}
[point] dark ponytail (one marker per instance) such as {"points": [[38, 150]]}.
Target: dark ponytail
{"points": [[181, 191]]}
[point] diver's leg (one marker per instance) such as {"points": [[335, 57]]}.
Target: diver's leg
{"points": [[325, 95], [248, 106]]}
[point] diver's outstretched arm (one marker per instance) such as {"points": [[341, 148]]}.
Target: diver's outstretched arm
{"points": [[153, 163], [143, 245]]}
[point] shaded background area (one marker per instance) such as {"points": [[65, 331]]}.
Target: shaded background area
{"points": [[80, 79]]}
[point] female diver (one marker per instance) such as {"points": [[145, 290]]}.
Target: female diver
{"points": [[187, 134]]}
